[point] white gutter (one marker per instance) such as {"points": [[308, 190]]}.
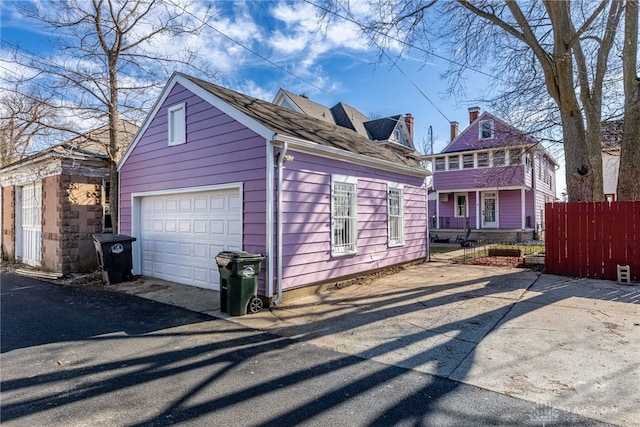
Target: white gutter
{"points": [[281, 156], [269, 218]]}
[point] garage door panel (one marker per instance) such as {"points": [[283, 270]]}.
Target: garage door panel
{"points": [[187, 232]]}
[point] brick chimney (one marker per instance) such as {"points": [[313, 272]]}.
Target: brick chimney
{"points": [[474, 113], [454, 130], [408, 119]]}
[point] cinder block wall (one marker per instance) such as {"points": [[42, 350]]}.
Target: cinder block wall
{"points": [[80, 217]]}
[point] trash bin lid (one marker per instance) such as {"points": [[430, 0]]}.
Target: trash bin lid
{"points": [[112, 238], [240, 256]]}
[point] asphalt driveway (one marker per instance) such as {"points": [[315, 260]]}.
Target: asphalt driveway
{"points": [[566, 343]]}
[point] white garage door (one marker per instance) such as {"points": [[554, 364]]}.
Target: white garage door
{"points": [[181, 234]]}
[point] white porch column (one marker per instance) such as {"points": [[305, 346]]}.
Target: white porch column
{"points": [[437, 210], [522, 207], [478, 202]]}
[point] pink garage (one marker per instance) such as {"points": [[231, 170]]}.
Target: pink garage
{"points": [[212, 170]]}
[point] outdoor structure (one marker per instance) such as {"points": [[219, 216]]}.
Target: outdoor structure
{"points": [[53, 201], [491, 178], [611, 139], [213, 170]]}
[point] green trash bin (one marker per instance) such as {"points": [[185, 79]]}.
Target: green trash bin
{"points": [[239, 272]]}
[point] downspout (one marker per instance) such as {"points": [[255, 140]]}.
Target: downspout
{"points": [[281, 156]]}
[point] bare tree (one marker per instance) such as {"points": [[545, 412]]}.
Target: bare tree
{"points": [[111, 56], [629, 173], [552, 59], [23, 120]]}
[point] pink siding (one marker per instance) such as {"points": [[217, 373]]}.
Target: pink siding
{"points": [[307, 217], [478, 178], [510, 209], [208, 158], [215, 143], [503, 135]]}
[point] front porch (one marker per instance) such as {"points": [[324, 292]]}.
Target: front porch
{"points": [[487, 235]]}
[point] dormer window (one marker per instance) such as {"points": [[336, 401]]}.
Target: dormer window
{"points": [[486, 129]]}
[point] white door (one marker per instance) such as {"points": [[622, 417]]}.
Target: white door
{"points": [[29, 227], [489, 210], [182, 233]]}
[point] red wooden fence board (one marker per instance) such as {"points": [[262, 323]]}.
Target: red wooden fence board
{"points": [[591, 239]]}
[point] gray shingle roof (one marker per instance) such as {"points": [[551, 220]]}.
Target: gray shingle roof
{"points": [[291, 123], [310, 108], [381, 129]]}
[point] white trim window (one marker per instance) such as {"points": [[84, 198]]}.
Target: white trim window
{"points": [[486, 129], [344, 215], [176, 120], [395, 214]]}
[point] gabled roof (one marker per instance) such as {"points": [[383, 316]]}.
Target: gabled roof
{"points": [[504, 135], [382, 129], [91, 145], [349, 117], [270, 121], [305, 105]]}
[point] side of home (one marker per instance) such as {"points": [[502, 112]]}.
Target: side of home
{"points": [[213, 170], [492, 178]]}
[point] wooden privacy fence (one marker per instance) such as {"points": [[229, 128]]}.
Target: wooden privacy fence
{"points": [[590, 239]]}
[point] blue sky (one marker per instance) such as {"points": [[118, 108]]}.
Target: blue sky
{"points": [[338, 64]]}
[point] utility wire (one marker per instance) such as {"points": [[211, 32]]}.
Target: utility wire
{"points": [[404, 43], [395, 64]]}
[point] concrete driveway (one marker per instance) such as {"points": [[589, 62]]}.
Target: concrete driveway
{"points": [[566, 343]]}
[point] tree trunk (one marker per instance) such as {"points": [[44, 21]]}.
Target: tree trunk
{"points": [[578, 171], [114, 142], [629, 173]]}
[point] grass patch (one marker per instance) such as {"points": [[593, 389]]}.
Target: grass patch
{"points": [[443, 249]]}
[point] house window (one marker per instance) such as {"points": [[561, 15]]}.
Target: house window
{"points": [[515, 156], [498, 158], [454, 162], [461, 205], [467, 161], [483, 159], [176, 124], [486, 129], [440, 163], [344, 221], [395, 214]]}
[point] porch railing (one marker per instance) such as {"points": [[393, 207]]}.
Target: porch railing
{"points": [[452, 222]]}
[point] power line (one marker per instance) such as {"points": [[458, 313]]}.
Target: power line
{"points": [[421, 49], [395, 64]]}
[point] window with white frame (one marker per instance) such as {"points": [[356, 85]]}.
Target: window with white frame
{"points": [[177, 128], [483, 159], [440, 165], [486, 129], [344, 216], [395, 214], [454, 162], [515, 156], [467, 161], [498, 158]]}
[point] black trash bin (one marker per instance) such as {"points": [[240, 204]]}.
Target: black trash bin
{"points": [[114, 256], [239, 272]]}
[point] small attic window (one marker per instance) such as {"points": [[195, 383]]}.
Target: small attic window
{"points": [[177, 128], [486, 129]]}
